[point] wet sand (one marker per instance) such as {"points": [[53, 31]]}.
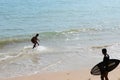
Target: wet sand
{"points": [[83, 74]]}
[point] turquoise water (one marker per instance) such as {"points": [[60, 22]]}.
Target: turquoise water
{"points": [[70, 31], [21, 19]]}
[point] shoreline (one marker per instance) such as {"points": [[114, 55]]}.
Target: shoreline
{"points": [[60, 75], [82, 74]]}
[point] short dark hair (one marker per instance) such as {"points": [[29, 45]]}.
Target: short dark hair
{"points": [[37, 34], [104, 50]]}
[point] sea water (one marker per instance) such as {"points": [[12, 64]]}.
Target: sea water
{"points": [[71, 32]]}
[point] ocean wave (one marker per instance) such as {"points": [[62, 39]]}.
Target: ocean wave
{"points": [[82, 30], [9, 40], [100, 47], [20, 55], [53, 35], [71, 31]]}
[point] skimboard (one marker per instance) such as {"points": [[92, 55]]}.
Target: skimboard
{"points": [[112, 64]]}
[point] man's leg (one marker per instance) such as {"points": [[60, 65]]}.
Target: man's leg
{"points": [[34, 45], [102, 77], [106, 76]]}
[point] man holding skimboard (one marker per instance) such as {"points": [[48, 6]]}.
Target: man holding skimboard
{"points": [[104, 68]]}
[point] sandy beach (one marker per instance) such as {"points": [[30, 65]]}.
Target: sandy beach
{"points": [[83, 74]]}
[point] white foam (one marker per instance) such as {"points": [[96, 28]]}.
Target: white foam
{"points": [[27, 47], [114, 51], [26, 52], [38, 48]]}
